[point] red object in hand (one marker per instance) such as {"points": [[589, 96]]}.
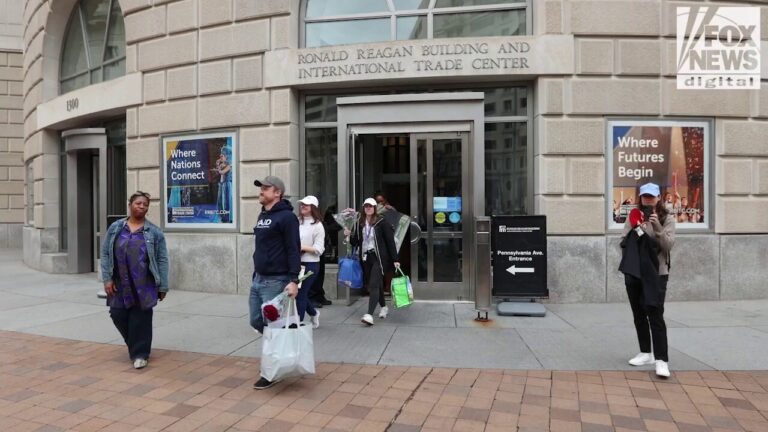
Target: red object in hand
{"points": [[635, 217], [271, 313]]}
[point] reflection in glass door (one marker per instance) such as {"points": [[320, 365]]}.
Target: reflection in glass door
{"points": [[439, 206]]}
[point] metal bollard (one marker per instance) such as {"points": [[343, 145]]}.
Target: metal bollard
{"points": [[483, 267]]}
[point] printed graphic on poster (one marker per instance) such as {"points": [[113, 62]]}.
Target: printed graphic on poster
{"points": [[200, 191], [672, 154]]}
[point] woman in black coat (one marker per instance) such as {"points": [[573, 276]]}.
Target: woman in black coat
{"points": [[375, 240]]}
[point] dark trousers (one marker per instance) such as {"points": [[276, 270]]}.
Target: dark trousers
{"points": [[372, 274], [649, 320], [303, 305], [316, 291], [135, 325]]}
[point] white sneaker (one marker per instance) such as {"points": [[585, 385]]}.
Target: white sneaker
{"points": [[367, 320], [383, 313], [642, 359], [662, 368], [140, 363], [315, 319]]}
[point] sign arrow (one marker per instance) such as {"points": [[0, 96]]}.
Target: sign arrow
{"points": [[514, 270]]}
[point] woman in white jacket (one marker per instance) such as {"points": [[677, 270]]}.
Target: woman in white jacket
{"points": [[312, 236]]}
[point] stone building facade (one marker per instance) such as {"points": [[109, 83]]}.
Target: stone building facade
{"points": [[270, 71], [11, 125]]}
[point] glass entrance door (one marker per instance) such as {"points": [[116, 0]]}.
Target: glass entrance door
{"points": [[439, 208], [424, 176]]}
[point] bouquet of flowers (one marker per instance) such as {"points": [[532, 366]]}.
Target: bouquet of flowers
{"points": [[347, 220], [272, 309]]}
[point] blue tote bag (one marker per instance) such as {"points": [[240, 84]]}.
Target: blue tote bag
{"points": [[351, 271]]}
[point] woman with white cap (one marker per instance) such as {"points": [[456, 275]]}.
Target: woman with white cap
{"points": [[649, 234], [375, 240], [312, 236]]}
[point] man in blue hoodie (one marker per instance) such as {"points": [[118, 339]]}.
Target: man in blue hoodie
{"points": [[276, 259]]}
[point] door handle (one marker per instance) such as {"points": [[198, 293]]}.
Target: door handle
{"points": [[417, 237]]}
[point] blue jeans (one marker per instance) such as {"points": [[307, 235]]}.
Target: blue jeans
{"points": [[264, 289], [303, 304]]}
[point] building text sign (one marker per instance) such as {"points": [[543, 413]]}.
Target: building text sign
{"points": [[550, 54], [519, 256]]}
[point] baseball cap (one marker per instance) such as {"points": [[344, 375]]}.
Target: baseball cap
{"points": [[310, 200], [650, 189], [370, 201], [271, 181]]}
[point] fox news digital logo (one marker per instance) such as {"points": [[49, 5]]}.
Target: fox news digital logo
{"points": [[718, 47]]}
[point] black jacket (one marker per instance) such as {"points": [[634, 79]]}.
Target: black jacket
{"points": [[640, 259], [383, 241], [277, 242]]}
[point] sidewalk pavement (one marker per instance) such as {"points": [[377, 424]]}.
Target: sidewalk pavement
{"points": [[702, 335], [51, 384]]}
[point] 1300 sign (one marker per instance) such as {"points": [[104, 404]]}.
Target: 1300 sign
{"points": [[73, 104]]}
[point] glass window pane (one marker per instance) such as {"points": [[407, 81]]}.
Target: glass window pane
{"points": [[116, 35], [116, 168], [506, 168], [114, 70], [347, 32], [321, 8], [95, 13], [494, 23], [447, 185], [73, 58], [458, 3], [411, 4], [75, 83], [96, 76], [321, 181], [507, 101], [320, 108], [448, 267], [412, 28]]}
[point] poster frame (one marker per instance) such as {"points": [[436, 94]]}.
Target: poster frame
{"points": [[231, 227], [709, 136]]}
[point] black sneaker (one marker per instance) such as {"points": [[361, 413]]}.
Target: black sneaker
{"points": [[326, 302], [264, 383]]}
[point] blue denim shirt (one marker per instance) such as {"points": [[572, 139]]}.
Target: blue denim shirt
{"points": [[156, 249]]}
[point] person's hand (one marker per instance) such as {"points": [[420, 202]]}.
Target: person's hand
{"points": [[292, 289], [347, 232], [161, 295], [109, 288], [654, 220], [397, 265]]}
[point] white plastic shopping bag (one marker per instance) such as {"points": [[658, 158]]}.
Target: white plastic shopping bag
{"points": [[287, 351]]}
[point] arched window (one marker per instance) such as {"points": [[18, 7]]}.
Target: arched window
{"points": [[334, 22], [94, 45]]}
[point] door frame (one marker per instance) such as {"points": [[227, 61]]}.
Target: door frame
{"points": [[420, 113], [80, 145]]}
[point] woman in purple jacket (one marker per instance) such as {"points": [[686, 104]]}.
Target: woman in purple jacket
{"points": [[134, 269]]}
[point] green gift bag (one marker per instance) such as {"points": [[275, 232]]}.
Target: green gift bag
{"points": [[402, 292]]}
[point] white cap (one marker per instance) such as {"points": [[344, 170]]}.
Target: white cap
{"points": [[310, 200], [650, 189], [370, 201]]}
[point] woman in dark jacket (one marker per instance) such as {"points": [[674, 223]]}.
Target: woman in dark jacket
{"points": [[375, 241], [134, 269], [649, 234]]}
